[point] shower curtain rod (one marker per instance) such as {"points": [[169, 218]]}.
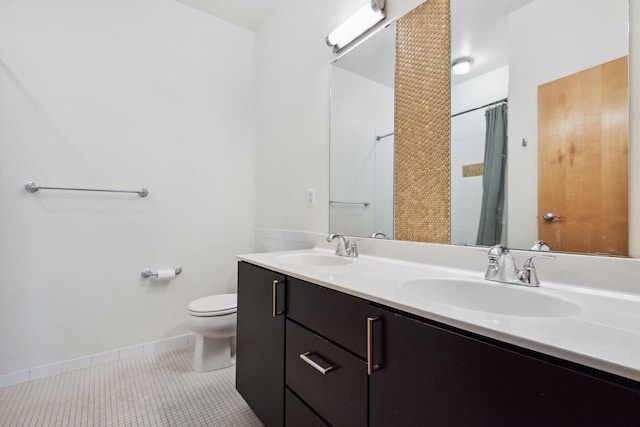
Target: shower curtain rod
{"points": [[378, 138], [482, 106]]}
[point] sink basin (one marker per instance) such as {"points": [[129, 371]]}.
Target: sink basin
{"points": [[313, 260], [477, 295]]}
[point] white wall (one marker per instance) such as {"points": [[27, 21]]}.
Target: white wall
{"points": [[549, 40], [361, 109], [293, 110], [118, 94], [467, 147]]}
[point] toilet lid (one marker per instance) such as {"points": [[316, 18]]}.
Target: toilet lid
{"points": [[215, 305]]}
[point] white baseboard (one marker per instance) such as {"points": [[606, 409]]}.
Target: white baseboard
{"points": [[51, 369]]}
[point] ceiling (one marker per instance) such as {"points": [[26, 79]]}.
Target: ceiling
{"points": [[479, 29], [244, 13]]}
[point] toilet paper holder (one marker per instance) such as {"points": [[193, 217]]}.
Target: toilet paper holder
{"points": [[146, 273]]}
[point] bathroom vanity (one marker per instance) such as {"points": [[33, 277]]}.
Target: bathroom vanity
{"points": [[318, 346]]}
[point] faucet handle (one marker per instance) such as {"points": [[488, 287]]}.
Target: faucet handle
{"points": [[353, 248], [529, 276], [497, 251], [494, 253]]}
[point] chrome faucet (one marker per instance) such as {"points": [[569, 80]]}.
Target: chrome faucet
{"points": [[345, 247], [540, 245], [379, 234], [502, 267]]}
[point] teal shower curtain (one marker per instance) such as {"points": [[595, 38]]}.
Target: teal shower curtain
{"points": [[493, 177]]}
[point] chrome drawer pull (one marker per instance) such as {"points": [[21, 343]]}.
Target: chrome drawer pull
{"points": [[275, 311], [307, 358]]}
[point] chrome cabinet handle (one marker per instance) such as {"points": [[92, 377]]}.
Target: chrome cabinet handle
{"points": [[274, 311], [371, 366], [307, 358]]}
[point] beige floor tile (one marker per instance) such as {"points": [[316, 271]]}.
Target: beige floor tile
{"points": [[150, 390]]}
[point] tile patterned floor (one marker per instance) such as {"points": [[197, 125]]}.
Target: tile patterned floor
{"points": [[151, 390]]}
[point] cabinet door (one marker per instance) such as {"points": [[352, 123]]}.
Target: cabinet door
{"points": [[434, 377], [260, 342]]}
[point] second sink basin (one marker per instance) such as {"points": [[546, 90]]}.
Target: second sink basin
{"points": [[313, 260], [477, 295]]}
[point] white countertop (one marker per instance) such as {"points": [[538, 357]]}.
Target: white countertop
{"points": [[605, 334]]}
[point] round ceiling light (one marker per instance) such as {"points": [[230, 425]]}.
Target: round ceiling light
{"points": [[461, 66]]}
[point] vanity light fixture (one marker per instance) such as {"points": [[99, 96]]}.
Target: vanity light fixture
{"points": [[365, 18], [461, 66]]}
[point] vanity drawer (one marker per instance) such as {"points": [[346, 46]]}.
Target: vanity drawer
{"points": [[339, 317], [340, 394], [299, 414]]}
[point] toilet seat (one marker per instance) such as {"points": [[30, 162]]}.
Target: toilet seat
{"points": [[215, 305]]}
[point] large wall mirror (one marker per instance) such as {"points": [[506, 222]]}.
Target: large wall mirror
{"points": [[549, 79]]}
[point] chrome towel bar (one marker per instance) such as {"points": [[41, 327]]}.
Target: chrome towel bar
{"points": [[334, 202], [146, 273], [32, 187], [378, 138]]}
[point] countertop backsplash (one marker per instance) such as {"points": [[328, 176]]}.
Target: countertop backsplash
{"points": [[602, 273]]}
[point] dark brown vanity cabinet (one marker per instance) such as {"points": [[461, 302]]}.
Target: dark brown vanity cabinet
{"points": [[434, 376], [260, 342], [324, 347], [309, 367], [325, 351]]}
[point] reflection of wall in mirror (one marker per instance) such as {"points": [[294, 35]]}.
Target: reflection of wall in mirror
{"points": [[360, 110], [548, 40], [467, 147], [383, 199]]}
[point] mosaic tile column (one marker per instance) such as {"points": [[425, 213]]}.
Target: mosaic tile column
{"points": [[422, 124]]}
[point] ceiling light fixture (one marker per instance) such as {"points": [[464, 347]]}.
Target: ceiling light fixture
{"points": [[461, 66], [365, 18]]}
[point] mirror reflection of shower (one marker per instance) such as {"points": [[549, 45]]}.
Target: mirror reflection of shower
{"points": [[383, 182], [362, 141], [468, 131]]}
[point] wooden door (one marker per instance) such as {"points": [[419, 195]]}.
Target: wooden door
{"points": [[583, 138]]}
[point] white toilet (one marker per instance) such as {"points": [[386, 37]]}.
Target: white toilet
{"points": [[213, 319]]}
